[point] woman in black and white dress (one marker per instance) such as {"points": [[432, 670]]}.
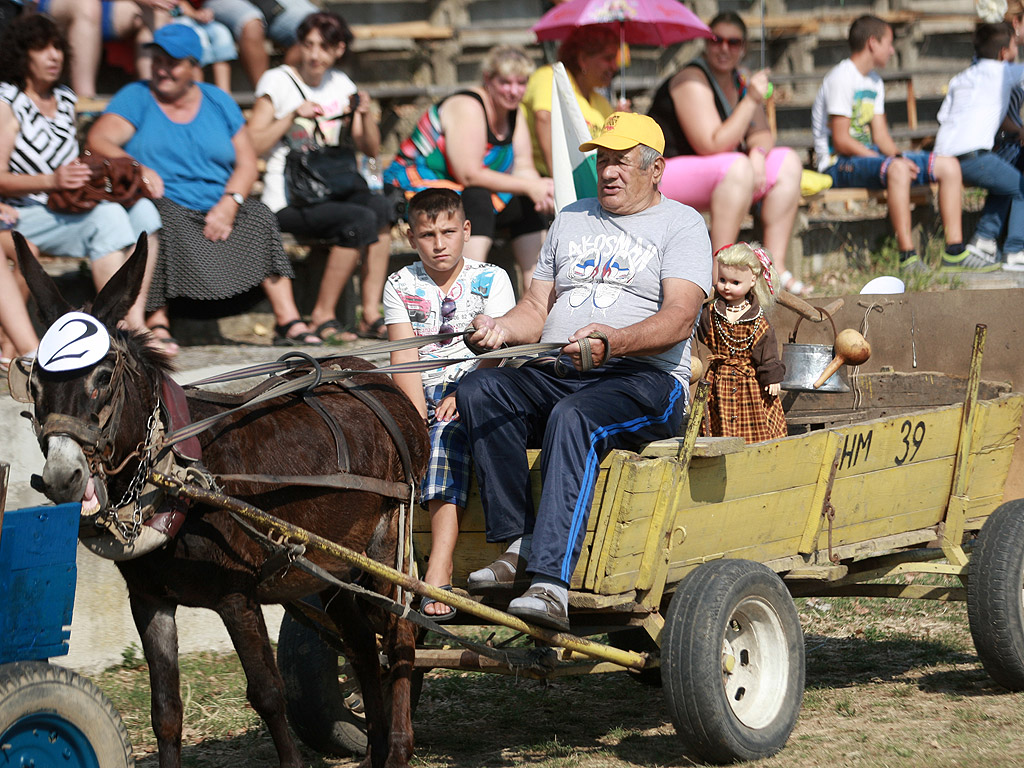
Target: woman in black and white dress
{"points": [[39, 154]]}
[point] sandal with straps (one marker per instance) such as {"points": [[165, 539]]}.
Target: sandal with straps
{"points": [[794, 286], [282, 337], [167, 344]]}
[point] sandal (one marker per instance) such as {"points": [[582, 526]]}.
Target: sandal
{"points": [[5, 364], [302, 339], [340, 334], [794, 286], [166, 344], [375, 331], [425, 601]]}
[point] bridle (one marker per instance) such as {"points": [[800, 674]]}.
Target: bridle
{"points": [[96, 435]]}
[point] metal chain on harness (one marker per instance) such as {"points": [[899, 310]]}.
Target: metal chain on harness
{"points": [[129, 529]]}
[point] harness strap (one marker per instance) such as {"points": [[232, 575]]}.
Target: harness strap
{"points": [[340, 444], [345, 482], [288, 386], [84, 432], [385, 417]]}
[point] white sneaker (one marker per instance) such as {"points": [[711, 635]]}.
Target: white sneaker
{"points": [[1014, 261], [983, 247]]}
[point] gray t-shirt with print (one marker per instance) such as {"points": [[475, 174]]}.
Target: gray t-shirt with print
{"points": [[608, 269]]}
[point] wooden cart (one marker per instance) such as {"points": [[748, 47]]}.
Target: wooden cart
{"points": [[49, 716], [696, 548]]}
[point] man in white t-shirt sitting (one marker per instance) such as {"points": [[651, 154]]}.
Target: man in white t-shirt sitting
{"points": [[621, 279], [853, 145]]}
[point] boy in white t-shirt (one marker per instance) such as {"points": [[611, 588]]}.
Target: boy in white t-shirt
{"points": [[969, 118], [853, 145], [441, 293]]}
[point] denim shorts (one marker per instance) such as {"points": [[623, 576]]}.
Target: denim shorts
{"points": [[106, 228], [235, 14], [218, 44], [871, 172]]}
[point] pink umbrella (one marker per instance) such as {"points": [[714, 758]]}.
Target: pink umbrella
{"points": [[642, 22]]}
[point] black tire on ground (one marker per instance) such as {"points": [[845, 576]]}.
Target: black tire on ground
{"points": [[995, 595], [733, 661], [324, 704], [51, 712], [636, 639]]}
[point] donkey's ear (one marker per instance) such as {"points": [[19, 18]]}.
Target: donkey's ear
{"points": [[117, 296], [49, 303]]}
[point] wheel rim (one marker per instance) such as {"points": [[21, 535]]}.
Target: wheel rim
{"points": [[352, 697], [755, 662], [46, 740]]}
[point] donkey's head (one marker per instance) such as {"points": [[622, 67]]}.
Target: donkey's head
{"points": [[91, 418]]}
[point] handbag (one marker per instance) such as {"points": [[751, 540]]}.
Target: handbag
{"points": [[112, 179], [315, 174]]}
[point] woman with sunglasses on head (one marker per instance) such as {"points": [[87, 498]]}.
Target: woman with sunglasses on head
{"points": [[291, 103], [719, 152]]}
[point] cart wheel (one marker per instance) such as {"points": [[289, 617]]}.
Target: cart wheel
{"points": [[49, 716], [324, 703], [636, 639], [995, 595], [733, 661]]}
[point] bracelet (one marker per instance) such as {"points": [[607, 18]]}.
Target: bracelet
{"points": [[762, 150]]}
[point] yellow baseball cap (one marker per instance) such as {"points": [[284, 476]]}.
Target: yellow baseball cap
{"points": [[624, 130]]}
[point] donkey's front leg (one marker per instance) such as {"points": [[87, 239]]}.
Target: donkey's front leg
{"points": [[265, 686], [154, 620]]}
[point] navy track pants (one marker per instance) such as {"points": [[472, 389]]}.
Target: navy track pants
{"points": [[576, 420]]}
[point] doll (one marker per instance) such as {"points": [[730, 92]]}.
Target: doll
{"points": [[744, 368]]}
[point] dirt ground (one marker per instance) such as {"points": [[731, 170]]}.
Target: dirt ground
{"points": [[889, 683]]}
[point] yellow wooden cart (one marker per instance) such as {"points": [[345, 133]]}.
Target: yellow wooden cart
{"points": [[695, 549]]}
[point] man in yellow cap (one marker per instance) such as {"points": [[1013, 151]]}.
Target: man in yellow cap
{"points": [[621, 278]]}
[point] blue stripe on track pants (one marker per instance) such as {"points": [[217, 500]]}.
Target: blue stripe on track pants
{"points": [[576, 420]]}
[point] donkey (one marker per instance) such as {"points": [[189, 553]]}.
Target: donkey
{"points": [[212, 561]]}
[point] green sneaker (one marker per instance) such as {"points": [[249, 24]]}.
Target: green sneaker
{"points": [[971, 260]]}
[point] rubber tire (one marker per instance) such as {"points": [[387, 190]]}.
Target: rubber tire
{"points": [[319, 691], [693, 645], [35, 695], [995, 595]]}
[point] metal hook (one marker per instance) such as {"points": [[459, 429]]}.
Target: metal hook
{"points": [[317, 369]]}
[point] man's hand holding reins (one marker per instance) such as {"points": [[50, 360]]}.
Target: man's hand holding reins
{"points": [[489, 333], [599, 348]]}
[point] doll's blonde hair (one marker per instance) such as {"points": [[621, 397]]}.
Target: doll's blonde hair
{"points": [[757, 260]]}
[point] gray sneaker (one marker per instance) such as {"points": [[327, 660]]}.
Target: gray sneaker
{"points": [[982, 246], [971, 260], [1014, 262], [914, 265]]}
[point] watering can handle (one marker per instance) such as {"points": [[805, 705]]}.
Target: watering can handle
{"points": [[823, 311]]}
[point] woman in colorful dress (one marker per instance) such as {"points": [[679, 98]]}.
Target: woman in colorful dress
{"points": [[477, 142]]}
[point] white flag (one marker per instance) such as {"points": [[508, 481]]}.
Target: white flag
{"points": [[574, 172]]}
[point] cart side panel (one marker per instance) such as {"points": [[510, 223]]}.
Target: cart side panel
{"points": [[37, 581], [473, 551], [895, 476]]}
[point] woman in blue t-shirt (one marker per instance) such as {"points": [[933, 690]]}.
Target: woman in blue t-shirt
{"points": [[197, 155]]}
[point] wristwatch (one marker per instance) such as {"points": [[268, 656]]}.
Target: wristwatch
{"points": [[236, 196]]}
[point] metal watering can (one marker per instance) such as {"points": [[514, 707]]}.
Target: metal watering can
{"points": [[806, 362]]}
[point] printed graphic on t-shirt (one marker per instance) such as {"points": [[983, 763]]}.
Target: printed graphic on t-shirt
{"points": [[602, 265], [863, 114], [481, 285]]}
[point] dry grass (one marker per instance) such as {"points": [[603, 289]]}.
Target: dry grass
{"points": [[889, 683]]}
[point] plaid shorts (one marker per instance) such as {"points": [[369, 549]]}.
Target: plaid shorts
{"points": [[448, 474]]}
